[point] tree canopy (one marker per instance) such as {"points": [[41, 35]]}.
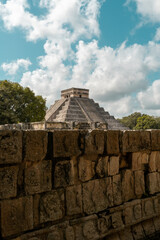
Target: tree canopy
{"points": [[19, 104], [141, 121]]}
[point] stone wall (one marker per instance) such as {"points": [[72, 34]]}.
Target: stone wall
{"points": [[75, 185]]}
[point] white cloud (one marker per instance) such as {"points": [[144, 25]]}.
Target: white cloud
{"points": [[12, 67]]}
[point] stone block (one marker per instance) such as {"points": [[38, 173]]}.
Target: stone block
{"points": [[148, 209], [126, 234], [74, 200], [113, 142], [132, 212], [16, 216], [10, 146], [104, 224], [102, 167], [86, 168], [35, 145], [117, 190], [135, 141], [90, 230], [66, 144], [127, 185], [155, 140], [65, 173], [38, 177], [51, 206], [8, 181], [139, 183], [139, 159], [156, 222], [94, 142], [113, 167], [154, 161], [138, 232], [69, 233], [117, 220], [97, 195], [148, 227], [153, 182], [114, 236]]}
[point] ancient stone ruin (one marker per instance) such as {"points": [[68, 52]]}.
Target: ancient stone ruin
{"points": [[79, 185], [76, 106]]}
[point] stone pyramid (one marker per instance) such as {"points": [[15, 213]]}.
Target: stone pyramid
{"points": [[76, 106]]}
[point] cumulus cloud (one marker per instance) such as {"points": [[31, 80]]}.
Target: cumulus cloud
{"points": [[12, 67]]}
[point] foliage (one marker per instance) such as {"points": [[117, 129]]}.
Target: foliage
{"points": [[18, 104], [131, 120], [146, 122]]}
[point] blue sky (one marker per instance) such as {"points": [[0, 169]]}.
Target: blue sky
{"points": [[111, 47]]}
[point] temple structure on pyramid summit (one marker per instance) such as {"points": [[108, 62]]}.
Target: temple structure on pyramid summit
{"points": [[76, 106], [75, 110]]}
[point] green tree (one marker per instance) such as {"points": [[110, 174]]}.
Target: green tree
{"points": [[146, 122], [131, 120], [18, 104]]}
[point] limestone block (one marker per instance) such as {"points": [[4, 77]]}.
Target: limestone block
{"points": [[134, 141], [127, 185], [52, 206], [10, 147], [66, 144], [117, 220], [148, 208], [102, 166], [117, 189], [139, 183], [16, 216], [138, 160], [128, 214], [56, 234], [153, 182], [104, 224], [137, 211], [154, 161], [8, 182], [132, 212], [155, 140], [97, 195], [86, 168], [94, 142], [126, 234], [113, 168], [69, 233], [38, 177], [90, 230], [74, 200], [65, 173], [114, 236], [148, 227], [156, 202], [113, 137], [35, 145], [138, 232], [156, 222]]}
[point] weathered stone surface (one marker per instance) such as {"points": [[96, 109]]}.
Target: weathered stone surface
{"points": [[86, 168], [127, 185], [102, 167], [126, 234], [90, 230], [35, 145], [156, 222], [132, 212], [153, 182], [139, 159], [66, 144], [155, 139], [117, 189], [148, 208], [138, 232], [65, 173], [94, 142], [113, 168], [8, 182], [134, 141], [154, 161], [74, 200], [52, 206], [104, 224], [16, 216], [148, 227], [139, 183], [97, 195], [113, 142], [10, 147], [117, 220], [114, 236], [38, 177], [69, 233]]}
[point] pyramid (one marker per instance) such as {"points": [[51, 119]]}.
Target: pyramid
{"points": [[76, 106]]}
